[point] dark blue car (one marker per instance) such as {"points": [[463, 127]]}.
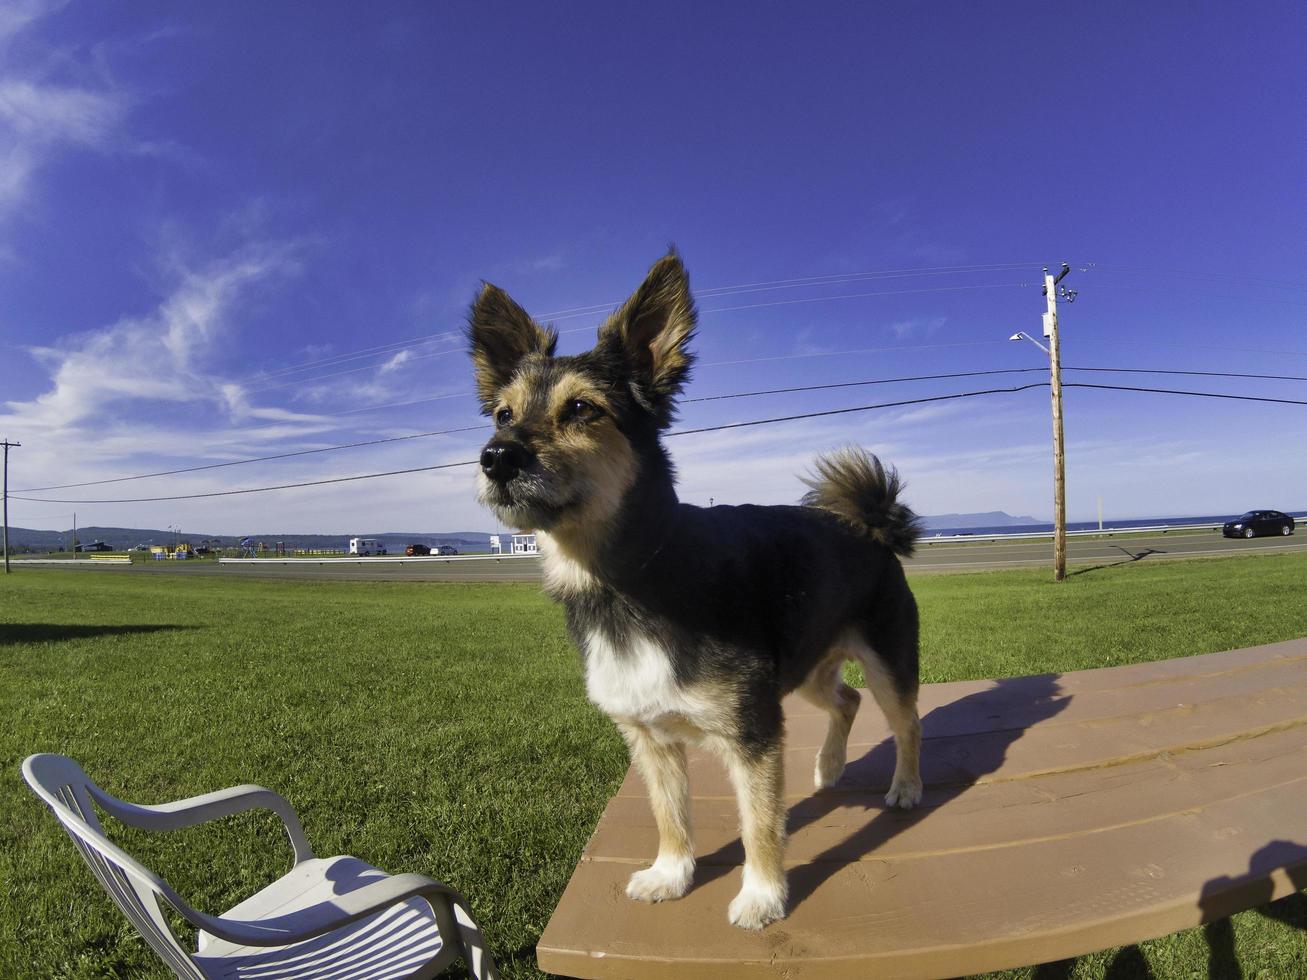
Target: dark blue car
{"points": [[1256, 522]]}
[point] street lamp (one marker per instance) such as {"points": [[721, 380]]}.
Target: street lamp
{"points": [[1022, 334]]}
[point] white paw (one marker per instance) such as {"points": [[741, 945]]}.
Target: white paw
{"points": [[905, 793], [756, 905], [665, 879], [828, 771]]}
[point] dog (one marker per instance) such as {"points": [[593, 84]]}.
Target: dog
{"points": [[693, 623]]}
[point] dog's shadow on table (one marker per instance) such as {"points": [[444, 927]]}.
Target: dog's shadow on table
{"points": [[962, 742]]}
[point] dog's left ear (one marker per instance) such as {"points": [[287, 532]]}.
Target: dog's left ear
{"points": [[651, 333], [500, 334]]}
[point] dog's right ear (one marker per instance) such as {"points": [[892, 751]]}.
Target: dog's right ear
{"points": [[501, 333], [652, 332]]}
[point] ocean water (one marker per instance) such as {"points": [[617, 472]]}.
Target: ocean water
{"points": [[1108, 525]]}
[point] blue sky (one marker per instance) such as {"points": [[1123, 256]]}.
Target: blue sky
{"points": [[236, 230]]}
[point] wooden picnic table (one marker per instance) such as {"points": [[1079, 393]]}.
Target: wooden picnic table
{"points": [[1063, 813]]}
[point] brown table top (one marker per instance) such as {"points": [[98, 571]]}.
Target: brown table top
{"points": [[1062, 814]]}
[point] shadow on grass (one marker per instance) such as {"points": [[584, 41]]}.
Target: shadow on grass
{"points": [[1128, 964], [1130, 558], [1221, 897], [11, 633], [1252, 889]]}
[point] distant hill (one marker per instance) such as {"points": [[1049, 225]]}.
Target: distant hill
{"points": [[26, 540], [23, 539], [993, 518]]}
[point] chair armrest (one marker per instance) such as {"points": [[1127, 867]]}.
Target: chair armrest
{"points": [[282, 930], [208, 806]]}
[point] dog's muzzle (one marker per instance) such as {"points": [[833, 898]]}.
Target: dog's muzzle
{"points": [[501, 461]]}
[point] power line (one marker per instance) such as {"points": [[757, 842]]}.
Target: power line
{"points": [[809, 281], [856, 384], [883, 292], [792, 283], [472, 428], [364, 352], [257, 387], [1204, 374], [735, 289], [472, 462], [1196, 394], [858, 350], [1241, 280], [298, 382], [806, 282], [679, 432], [704, 398], [257, 459], [1237, 350], [856, 408], [232, 493]]}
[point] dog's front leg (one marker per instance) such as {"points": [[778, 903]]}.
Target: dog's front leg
{"points": [[662, 765], [759, 787]]}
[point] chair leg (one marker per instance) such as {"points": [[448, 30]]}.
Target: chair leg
{"points": [[480, 964], [461, 932]]}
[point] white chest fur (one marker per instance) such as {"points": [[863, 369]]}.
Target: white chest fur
{"points": [[636, 681]]}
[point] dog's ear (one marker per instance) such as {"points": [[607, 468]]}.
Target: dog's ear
{"points": [[501, 333], [652, 332]]}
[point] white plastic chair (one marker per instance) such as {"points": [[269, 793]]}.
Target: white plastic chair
{"points": [[328, 918]]}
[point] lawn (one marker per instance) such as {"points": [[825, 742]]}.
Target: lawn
{"points": [[444, 729]]}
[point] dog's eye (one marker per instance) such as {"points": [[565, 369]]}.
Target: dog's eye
{"points": [[503, 416], [580, 410]]}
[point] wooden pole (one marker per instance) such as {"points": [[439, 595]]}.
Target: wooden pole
{"points": [[7, 444], [1059, 449]]}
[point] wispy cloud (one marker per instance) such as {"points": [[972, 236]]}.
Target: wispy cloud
{"points": [[403, 357], [150, 358], [41, 117], [918, 327], [16, 15]]}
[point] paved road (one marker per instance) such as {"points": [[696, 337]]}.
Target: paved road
{"points": [[1093, 552], [1082, 554]]}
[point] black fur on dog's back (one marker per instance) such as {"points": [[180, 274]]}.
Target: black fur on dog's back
{"points": [[853, 485]]}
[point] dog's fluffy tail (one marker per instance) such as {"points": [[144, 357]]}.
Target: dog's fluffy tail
{"points": [[853, 485]]}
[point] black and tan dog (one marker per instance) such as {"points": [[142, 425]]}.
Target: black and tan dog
{"points": [[694, 623]]}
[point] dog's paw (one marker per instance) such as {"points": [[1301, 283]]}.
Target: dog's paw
{"points": [[904, 793], [666, 879], [757, 904], [828, 770]]}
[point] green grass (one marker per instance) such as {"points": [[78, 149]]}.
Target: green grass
{"points": [[444, 729]]}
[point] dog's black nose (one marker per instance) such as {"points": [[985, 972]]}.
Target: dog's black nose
{"points": [[501, 461]]}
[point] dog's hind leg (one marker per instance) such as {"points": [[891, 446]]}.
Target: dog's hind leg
{"points": [[759, 778], [825, 688], [897, 698], [661, 762]]}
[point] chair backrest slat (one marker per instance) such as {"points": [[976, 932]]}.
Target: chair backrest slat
{"points": [[71, 803]]}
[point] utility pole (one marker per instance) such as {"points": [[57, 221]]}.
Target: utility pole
{"points": [[1059, 449], [7, 444]]}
